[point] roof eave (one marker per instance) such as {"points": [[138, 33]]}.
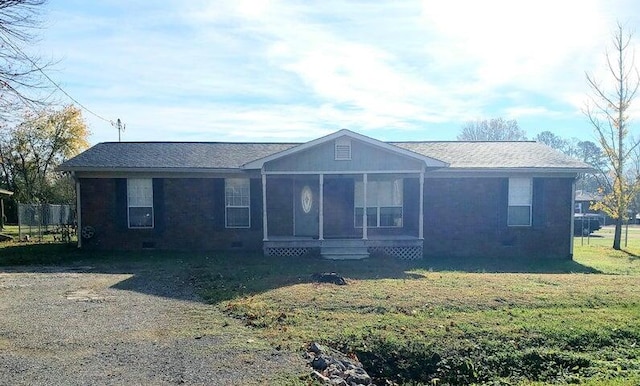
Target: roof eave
{"points": [[549, 170], [148, 170]]}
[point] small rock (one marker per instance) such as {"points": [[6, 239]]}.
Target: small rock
{"points": [[316, 348], [331, 277], [320, 363], [320, 377], [358, 376]]}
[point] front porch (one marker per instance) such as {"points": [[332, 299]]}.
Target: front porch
{"points": [[399, 246]]}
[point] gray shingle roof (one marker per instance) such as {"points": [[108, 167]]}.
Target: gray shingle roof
{"points": [[171, 155], [221, 155], [525, 154]]}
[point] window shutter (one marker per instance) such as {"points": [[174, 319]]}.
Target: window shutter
{"points": [[218, 203], [121, 204], [503, 203], [539, 217], [158, 205], [255, 189]]}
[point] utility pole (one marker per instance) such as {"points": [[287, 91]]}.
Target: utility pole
{"points": [[120, 126]]}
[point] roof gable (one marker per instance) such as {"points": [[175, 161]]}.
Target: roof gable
{"points": [[428, 161]]}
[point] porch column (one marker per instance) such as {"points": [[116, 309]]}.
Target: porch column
{"points": [[364, 203], [265, 233], [321, 209], [421, 215]]}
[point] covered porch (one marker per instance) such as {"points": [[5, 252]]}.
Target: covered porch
{"points": [[343, 215]]}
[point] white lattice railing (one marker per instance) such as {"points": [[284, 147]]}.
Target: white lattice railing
{"points": [[404, 253]]}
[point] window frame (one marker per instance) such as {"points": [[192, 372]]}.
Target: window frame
{"points": [[129, 206], [520, 203], [377, 208], [228, 205]]}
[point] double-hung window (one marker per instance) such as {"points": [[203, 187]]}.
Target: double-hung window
{"points": [[384, 203], [237, 203], [520, 198], [140, 202]]}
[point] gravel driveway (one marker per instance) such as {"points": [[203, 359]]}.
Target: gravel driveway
{"points": [[82, 325]]}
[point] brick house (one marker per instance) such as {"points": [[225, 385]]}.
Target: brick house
{"points": [[344, 195]]}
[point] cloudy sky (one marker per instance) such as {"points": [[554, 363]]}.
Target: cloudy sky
{"points": [[270, 70]]}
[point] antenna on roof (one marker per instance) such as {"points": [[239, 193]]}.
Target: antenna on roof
{"points": [[120, 126]]}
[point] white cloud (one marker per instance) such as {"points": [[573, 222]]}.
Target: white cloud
{"points": [[291, 69]]}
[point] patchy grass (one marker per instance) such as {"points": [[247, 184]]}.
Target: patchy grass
{"points": [[436, 321], [453, 321]]}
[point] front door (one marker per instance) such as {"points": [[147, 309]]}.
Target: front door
{"points": [[306, 200]]}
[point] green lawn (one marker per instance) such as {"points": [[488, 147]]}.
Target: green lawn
{"points": [[435, 321]]}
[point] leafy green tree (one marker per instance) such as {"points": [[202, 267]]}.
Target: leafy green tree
{"points": [[494, 129], [608, 113], [30, 152]]}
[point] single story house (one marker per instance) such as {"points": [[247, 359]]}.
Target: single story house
{"points": [[344, 195]]}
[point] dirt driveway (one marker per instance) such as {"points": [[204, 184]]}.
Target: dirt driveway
{"points": [[82, 325]]}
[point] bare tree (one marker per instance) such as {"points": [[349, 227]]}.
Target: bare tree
{"points": [[20, 73], [494, 129], [607, 111]]}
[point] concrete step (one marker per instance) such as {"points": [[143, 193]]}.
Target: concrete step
{"points": [[344, 253]]}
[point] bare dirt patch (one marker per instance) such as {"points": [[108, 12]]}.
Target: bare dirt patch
{"points": [[69, 326]]}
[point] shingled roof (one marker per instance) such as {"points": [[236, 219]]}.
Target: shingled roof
{"points": [[171, 155], [228, 155], [494, 155]]}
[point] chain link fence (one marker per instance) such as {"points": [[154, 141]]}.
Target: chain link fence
{"points": [[37, 221]]}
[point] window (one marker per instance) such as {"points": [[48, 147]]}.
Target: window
{"points": [[237, 203], [140, 202], [384, 203], [520, 192], [343, 149]]}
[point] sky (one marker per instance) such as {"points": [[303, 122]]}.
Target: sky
{"points": [[270, 70]]}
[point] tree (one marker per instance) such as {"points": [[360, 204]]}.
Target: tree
{"points": [[552, 140], [30, 152], [19, 72], [607, 112], [494, 129]]}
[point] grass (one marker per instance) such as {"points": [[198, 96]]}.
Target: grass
{"points": [[445, 321]]}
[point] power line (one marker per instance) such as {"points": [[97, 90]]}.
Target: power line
{"points": [[57, 86]]}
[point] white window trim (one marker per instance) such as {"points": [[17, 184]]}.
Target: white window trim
{"points": [[226, 206], [530, 205], [153, 214], [377, 208]]}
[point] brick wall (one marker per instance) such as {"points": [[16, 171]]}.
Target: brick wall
{"points": [[467, 217], [189, 216]]}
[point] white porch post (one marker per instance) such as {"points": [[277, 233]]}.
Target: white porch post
{"points": [[364, 204], [421, 215], [265, 233], [321, 208]]}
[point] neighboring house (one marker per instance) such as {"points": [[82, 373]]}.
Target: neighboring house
{"points": [[344, 195], [584, 201], [3, 193]]}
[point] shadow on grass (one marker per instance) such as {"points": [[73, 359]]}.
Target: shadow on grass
{"points": [[506, 265], [218, 276], [631, 255]]}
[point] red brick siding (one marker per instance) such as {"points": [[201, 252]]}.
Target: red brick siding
{"points": [[467, 217], [192, 218]]}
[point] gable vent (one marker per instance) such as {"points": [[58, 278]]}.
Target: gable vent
{"points": [[343, 149]]}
